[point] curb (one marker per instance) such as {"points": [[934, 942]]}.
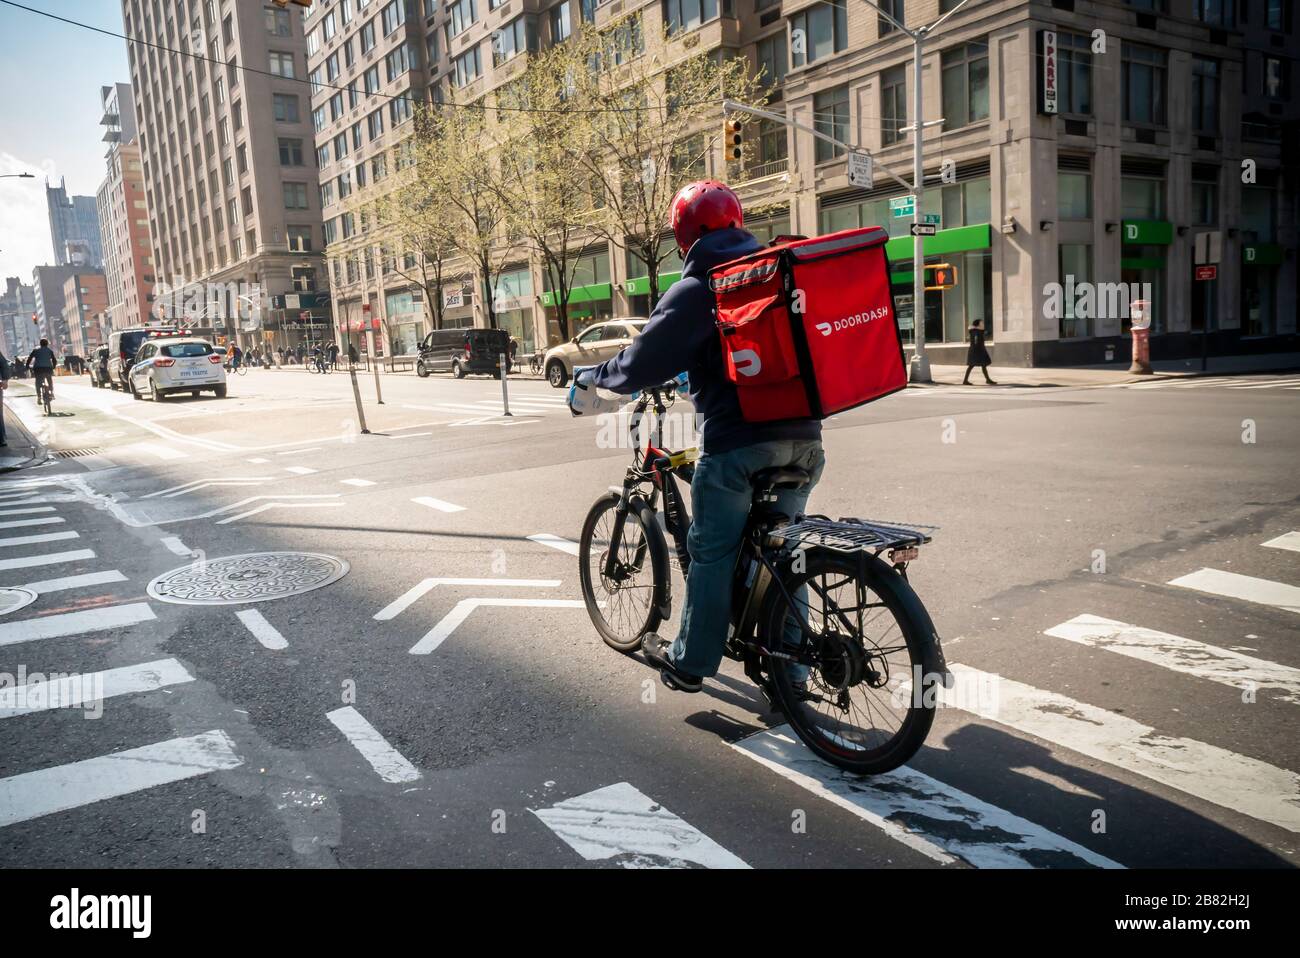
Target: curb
{"points": [[40, 453]]}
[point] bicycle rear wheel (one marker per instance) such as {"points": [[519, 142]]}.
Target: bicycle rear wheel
{"points": [[623, 606], [859, 706]]}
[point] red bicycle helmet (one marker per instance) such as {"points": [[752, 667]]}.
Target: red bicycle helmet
{"points": [[701, 207]]}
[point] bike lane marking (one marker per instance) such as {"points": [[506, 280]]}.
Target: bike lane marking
{"points": [[1236, 782], [910, 807], [555, 542], [413, 594], [619, 820], [453, 619], [389, 763]]}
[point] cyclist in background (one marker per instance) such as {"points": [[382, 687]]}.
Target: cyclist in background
{"points": [[707, 220], [41, 363]]}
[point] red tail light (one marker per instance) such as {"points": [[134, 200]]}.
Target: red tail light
{"points": [[468, 352], [214, 358], [164, 361]]}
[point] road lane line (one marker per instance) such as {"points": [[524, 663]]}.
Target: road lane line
{"points": [[174, 545], [75, 581], [359, 483], [162, 452], [74, 623], [63, 787], [1237, 782], [389, 763], [619, 820], [914, 809], [26, 512], [32, 540], [259, 461], [273, 505], [299, 470], [411, 595], [439, 504], [461, 611], [76, 690], [1178, 654], [299, 452], [555, 542], [262, 630], [51, 558], [1279, 595], [1288, 540], [24, 523]]}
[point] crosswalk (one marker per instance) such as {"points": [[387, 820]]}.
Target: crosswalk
{"points": [[523, 406], [1289, 382]]}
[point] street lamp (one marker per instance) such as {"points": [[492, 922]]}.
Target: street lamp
{"points": [[17, 176]]}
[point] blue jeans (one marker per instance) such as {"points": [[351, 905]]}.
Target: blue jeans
{"points": [[720, 497]]}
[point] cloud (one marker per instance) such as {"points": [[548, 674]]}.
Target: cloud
{"points": [[24, 217]]}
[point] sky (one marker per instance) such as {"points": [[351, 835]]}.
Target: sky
{"points": [[50, 75]]}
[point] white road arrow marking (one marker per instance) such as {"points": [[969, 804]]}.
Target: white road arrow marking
{"points": [[391, 765], [411, 595], [449, 622], [618, 820]]}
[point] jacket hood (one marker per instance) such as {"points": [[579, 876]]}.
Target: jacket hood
{"points": [[714, 249]]}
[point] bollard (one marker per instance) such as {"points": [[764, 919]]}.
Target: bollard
{"points": [[356, 394], [505, 393], [1141, 330], [379, 396]]}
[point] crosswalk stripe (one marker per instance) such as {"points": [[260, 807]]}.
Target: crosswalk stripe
{"points": [[440, 504], [1288, 540], [162, 452], [74, 623], [75, 581], [1178, 654], [555, 542], [390, 764], [913, 808], [33, 540], [24, 523], [620, 820], [359, 483], [75, 690], [63, 787], [299, 470], [263, 631], [50, 558], [1268, 384], [27, 511], [1237, 782], [1233, 585]]}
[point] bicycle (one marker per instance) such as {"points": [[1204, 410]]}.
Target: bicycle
{"points": [[535, 362], [317, 366], [240, 370], [822, 610], [45, 394]]}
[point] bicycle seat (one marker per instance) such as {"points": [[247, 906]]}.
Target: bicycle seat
{"points": [[780, 477]]}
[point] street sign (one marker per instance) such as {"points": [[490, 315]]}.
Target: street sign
{"points": [[860, 173], [1207, 272], [924, 229], [901, 206], [934, 218]]}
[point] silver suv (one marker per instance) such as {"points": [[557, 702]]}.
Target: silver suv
{"points": [[595, 344]]}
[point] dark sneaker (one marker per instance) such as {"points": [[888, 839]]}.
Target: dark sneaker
{"points": [[655, 650]]}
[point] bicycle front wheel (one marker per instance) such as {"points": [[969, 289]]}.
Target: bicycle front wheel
{"points": [[863, 703], [624, 603]]}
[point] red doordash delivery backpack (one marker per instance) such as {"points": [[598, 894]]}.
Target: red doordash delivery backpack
{"points": [[842, 350]]}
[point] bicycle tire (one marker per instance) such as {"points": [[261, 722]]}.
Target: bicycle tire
{"points": [[917, 630], [625, 638]]}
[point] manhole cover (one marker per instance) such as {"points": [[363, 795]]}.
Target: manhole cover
{"points": [[252, 577], [12, 599]]}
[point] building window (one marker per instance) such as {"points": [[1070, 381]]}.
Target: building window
{"points": [[285, 107], [1278, 15], [818, 32], [1277, 78], [1205, 195], [517, 36], [340, 146], [397, 62], [1144, 84], [399, 108], [375, 123], [332, 67], [281, 64], [462, 15], [682, 15], [323, 156], [290, 152], [1075, 264], [561, 27], [773, 147], [1205, 96], [1142, 198], [589, 10], [371, 80], [965, 84], [318, 118], [831, 117], [1074, 74], [368, 37], [895, 9], [277, 22], [466, 68], [295, 196], [356, 136], [329, 26], [394, 16], [893, 104], [1217, 12], [773, 59], [1073, 195]]}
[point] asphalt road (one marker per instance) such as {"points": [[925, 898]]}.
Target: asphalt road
{"points": [[323, 731]]}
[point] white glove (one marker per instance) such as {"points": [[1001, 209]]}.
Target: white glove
{"points": [[583, 399]]}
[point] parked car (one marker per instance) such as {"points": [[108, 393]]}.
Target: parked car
{"points": [[124, 344], [463, 352], [177, 364], [595, 344], [98, 367]]}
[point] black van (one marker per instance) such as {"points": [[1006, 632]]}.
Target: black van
{"points": [[123, 344], [463, 352]]}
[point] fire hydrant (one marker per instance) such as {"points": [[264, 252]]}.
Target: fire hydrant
{"points": [[1141, 328]]}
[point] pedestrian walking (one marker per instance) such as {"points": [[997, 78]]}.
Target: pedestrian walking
{"points": [[281, 355], [4, 384], [977, 354], [352, 354], [334, 355]]}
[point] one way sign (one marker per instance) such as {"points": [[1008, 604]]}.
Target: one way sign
{"points": [[924, 229]]}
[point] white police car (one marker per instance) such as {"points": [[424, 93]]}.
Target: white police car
{"points": [[177, 364]]}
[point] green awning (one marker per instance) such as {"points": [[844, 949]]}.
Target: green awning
{"points": [[1142, 262], [959, 239], [1147, 232], [1261, 254], [641, 285], [582, 294]]}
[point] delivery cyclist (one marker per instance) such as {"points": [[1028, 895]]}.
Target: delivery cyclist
{"points": [[41, 362], [706, 219]]}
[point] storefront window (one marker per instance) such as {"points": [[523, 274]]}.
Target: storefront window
{"points": [[1258, 304], [1073, 196], [1075, 263], [513, 299], [405, 322], [1142, 198]]}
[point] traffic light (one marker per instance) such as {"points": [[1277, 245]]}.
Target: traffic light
{"points": [[940, 276], [732, 139]]}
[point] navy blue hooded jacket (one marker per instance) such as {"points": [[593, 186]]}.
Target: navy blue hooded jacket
{"points": [[682, 335]]}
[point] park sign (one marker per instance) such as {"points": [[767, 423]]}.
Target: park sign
{"points": [[1048, 88]]}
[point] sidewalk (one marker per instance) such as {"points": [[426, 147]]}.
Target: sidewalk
{"points": [[23, 449], [1112, 373]]}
